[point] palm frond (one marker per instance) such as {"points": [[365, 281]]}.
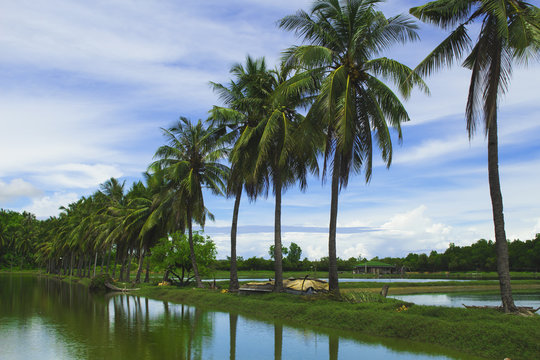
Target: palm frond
{"points": [[450, 49]]}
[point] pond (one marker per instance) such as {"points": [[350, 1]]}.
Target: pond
{"points": [[458, 299], [42, 318]]}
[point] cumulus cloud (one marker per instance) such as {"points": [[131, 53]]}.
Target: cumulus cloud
{"points": [[16, 188], [49, 205], [415, 227]]}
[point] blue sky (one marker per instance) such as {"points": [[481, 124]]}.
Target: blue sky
{"points": [[86, 86]]}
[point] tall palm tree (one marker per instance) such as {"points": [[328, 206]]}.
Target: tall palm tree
{"points": [[190, 160], [243, 98], [283, 159], [355, 107], [510, 31]]}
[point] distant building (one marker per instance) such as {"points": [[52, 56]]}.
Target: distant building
{"points": [[374, 267]]}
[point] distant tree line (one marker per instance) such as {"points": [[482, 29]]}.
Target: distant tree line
{"points": [[24, 240], [480, 256]]}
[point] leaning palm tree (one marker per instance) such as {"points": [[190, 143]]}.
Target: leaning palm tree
{"points": [[510, 31], [343, 41], [190, 160], [243, 98]]}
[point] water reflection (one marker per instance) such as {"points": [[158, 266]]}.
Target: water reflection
{"points": [[48, 319], [457, 300]]}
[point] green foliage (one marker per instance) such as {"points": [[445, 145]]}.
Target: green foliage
{"points": [[172, 254], [294, 254], [19, 236], [98, 282], [358, 296], [272, 251]]}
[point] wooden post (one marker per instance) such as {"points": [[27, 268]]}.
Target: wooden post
{"points": [[384, 290]]}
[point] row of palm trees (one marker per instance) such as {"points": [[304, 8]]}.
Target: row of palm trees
{"points": [[338, 76], [329, 101], [130, 223]]}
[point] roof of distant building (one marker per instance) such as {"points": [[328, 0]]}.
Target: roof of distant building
{"points": [[374, 263]]}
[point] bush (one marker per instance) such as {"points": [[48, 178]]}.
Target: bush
{"points": [[97, 283]]}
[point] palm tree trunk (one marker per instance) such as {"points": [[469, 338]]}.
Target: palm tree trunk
{"points": [[147, 276], [233, 284], [95, 264], [503, 267], [192, 251], [115, 261], [102, 262], [128, 271], [71, 258], [278, 255], [108, 259], [89, 265], [79, 266], [139, 269], [333, 284]]}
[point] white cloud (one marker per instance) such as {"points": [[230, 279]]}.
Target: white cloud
{"points": [[16, 188], [81, 176], [46, 206], [536, 228], [359, 250]]}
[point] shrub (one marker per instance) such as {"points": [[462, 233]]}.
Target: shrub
{"points": [[97, 283]]}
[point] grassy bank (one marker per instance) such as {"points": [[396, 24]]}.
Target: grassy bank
{"points": [[483, 333]]}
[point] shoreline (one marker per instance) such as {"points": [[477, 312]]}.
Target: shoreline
{"points": [[471, 332], [458, 332]]}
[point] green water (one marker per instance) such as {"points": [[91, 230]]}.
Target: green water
{"points": [[43, 318]]}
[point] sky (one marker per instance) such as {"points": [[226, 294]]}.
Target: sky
{"points": [[85, 88]]}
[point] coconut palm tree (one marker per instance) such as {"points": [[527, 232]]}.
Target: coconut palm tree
{"points": [[243, 97], [190, 160], [283, 159], [510, 32], [344, 41]]}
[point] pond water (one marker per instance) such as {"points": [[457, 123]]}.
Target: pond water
{"points": [[457, 300], [43, 318]]}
